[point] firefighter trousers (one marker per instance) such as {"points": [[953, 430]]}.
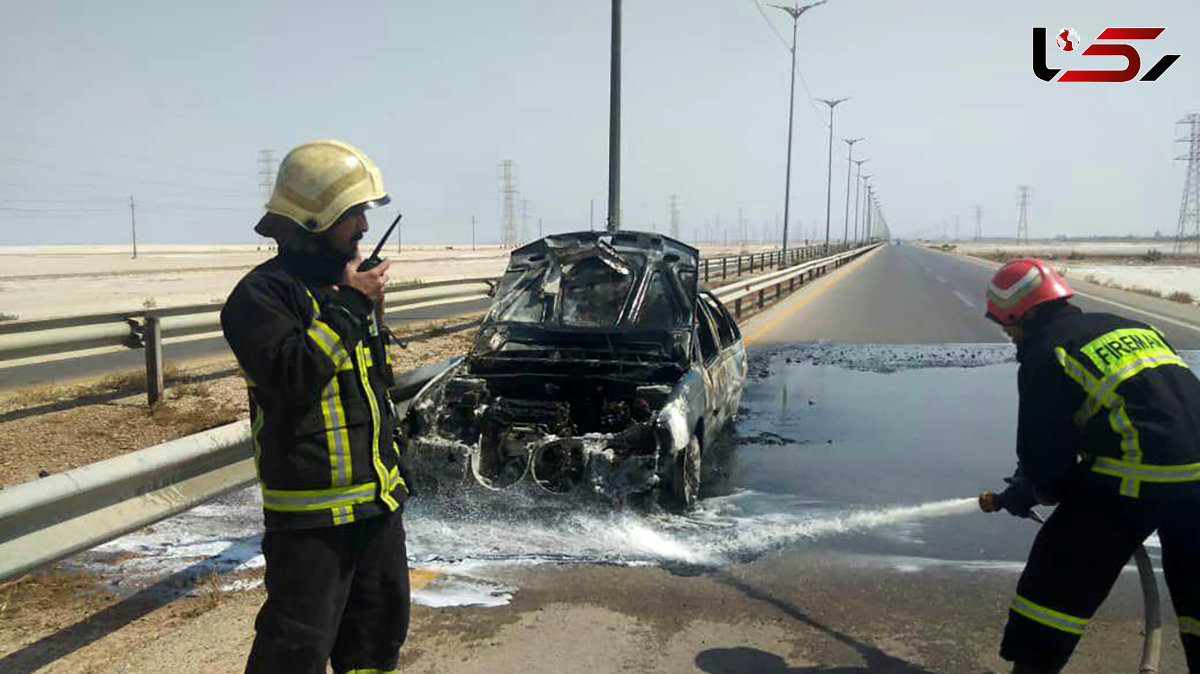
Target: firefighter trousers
{"points": [[334, 594], [1077, 557]]}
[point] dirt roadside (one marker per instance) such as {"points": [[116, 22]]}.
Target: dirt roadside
{"points": [[54, 429]]}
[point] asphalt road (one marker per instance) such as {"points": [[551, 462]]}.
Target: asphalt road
{"points": [[187, 352]]}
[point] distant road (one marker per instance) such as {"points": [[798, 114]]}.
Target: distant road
{"points": [[911, 295]]}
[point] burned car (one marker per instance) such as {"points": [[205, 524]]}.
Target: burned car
{"points": [[600, 368]]}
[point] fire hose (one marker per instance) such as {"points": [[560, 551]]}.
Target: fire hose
{"points": [[1152, 644]]}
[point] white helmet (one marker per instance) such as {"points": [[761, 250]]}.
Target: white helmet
{"points": [[319, 181]]}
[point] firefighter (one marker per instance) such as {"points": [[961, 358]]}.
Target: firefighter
{"points": [[1109, 430], [303, 327]]}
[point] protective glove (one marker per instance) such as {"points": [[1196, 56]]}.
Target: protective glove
{"points": [[1018, 498]]}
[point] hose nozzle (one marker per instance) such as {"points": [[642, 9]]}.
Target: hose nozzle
{"points": [[988, 502]]}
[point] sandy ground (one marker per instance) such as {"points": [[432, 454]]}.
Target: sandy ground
{"points": [[1166, 279], [47, 281], [1063, 248]]}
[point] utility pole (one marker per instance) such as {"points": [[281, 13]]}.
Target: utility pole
{"points": [[592, 215], [1023, 217], [539, 228], [849, 158], [832, 103], [1189, 205], [957, 235], [795, 12], [266, 172], [674, 216], [508, 187], [133, 224], [978, 222], [472, 233], [614, 123]]}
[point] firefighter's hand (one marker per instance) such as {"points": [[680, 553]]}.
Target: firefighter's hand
{"points": [[1018, 498], [370, 283]]}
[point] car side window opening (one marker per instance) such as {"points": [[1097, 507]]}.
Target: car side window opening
{"points": [[725, 329], [707, 334]]}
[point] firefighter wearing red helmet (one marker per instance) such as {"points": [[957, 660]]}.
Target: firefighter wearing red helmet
{"points": [[1109, 430]]}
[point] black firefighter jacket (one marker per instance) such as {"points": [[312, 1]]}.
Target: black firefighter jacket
{"points": [[1112, 392], [320, 414]]}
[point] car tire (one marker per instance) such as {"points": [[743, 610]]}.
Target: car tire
{"points": [[685, 483]]}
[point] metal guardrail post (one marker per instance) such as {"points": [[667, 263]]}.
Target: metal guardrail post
{"points": [[724, 263], [154, 359], [706, 271], [737, 308], [739, 265]]}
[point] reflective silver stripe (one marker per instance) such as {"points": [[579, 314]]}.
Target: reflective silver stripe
{"points": [[1049, 617], [1006, 298], [1186, 472], [1189, 626], [280, 499]]}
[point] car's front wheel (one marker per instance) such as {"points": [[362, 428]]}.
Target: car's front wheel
{"points": [[685, 482]]}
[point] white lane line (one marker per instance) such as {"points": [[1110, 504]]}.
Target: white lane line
{"points": [[964, 299], [1166, 319], [940, 279]]}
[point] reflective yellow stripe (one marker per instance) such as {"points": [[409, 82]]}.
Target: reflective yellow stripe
{"points": [[385, 485], [372, 671], [309, 500], [256, 427], [1189, 626], [1048, 616], [1102, 393], [337, 436], [1184, 472]]}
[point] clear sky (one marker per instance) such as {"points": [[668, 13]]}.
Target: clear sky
{"points": [[172, 102]]}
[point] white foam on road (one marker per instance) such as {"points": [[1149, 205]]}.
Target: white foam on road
{"points": [[468, 550]]}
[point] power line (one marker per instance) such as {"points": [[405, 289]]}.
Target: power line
{"points": [[110, 152], [114, 176]]}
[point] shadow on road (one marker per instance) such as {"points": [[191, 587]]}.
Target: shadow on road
{"points": [[52, 647], [745, 660]]}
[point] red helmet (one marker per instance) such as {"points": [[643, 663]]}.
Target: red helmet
{"points": [[1020, 286]]}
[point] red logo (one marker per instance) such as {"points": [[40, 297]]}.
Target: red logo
{"points": [[1068, 40]]}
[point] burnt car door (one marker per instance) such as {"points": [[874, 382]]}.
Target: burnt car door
{"points": [[729, 367]]}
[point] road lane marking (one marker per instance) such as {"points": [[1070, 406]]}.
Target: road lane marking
{"points": [[832, 280], [964, 299], [1166, 319], [940, 279], [419, 578]]}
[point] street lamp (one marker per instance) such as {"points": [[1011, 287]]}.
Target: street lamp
{"points": [[795, 11], [858, 176], [832, 103], [866, 206], [849, 157]]}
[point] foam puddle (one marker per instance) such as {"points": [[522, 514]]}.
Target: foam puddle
{"points": [[462, 551]]}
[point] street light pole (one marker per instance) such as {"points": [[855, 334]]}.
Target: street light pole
{"points": [[614, 123], [866, 205], [795, 12], [858, 176], [832, 103], [849, 158]]}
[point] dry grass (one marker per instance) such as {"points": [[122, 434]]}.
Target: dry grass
{"points": [[1182, 297], [84, 433], [4, 316]]}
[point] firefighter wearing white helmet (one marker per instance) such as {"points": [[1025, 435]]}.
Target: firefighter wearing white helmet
{"points": [[305, 333]]}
